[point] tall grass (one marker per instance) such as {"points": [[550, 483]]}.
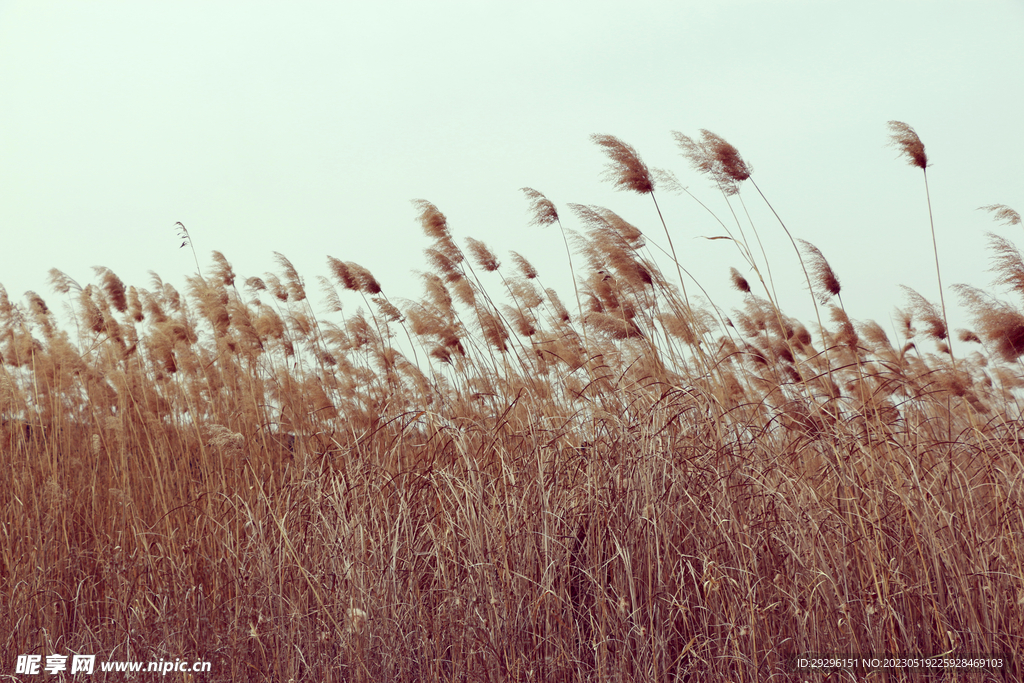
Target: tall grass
{"points": [[481, 485]]}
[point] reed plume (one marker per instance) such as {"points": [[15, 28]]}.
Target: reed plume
{"points": [[435, 225], [61, 282], [524, 266], [715, 158], [365, 280], [543, 213], [1000, 324], [626, 170], [135, 305], [926, 312], [738, 281], [1002, 213], [906, 139], [1007, 264], [968, 336], [256, 284], [824, 277], [223, 270], [484, 257], [542, 209], [114, 289]]}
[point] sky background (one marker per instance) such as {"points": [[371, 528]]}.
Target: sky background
{"points": [[307, 128]]}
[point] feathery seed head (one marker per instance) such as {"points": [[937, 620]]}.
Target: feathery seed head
{"points": [[222, 269], [256, 284], [359, 331], [296, 288], [269, 324], [493, 330], [561, 314], [801, 335], [135, 305], [388, 309], [782, 351], [463, 291], [626, 169], [738, 281], [727, 157], [613, 325], [906, 323], [443, 264], [437, 293], [331, 297], [114, 288], [695, 152], [524, 266], [608, 225], [41, 313], [627, 231], [968, 336], [153, 308], [342, 273], [484, 257], [904, 137], [522, 321], [1004, 326], [715, 158], [824, 277], [433, 221], [367, 283], [8, 311], [927, 313], [875, 335], [61, 283], [666, 179], [441, 353], [542, 210], [1003, 213], [524, 292], [90, 311], [1007, 263], [37, 305], [999, 323], [276, 288], [847, 335], [679, 326]]}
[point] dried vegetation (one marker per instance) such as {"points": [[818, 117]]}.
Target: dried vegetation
{"points": [[485, 484]]}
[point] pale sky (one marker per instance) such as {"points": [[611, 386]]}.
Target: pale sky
{"points": [[307, 128]]}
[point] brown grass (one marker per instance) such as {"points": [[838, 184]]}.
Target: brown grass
{"points": [[638, 492]]}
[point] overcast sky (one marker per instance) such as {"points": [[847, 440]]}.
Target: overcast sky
{"points": [[307, 128]]}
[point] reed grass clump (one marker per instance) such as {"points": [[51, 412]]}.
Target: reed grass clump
{"points": [[481, 484]]}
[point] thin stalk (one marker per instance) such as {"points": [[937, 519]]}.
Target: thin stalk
{"points": [[187, 239], [938, 272], [575, 288], [803, 267]]}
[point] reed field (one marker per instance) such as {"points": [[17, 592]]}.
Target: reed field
{"points": [[495, 481]]}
